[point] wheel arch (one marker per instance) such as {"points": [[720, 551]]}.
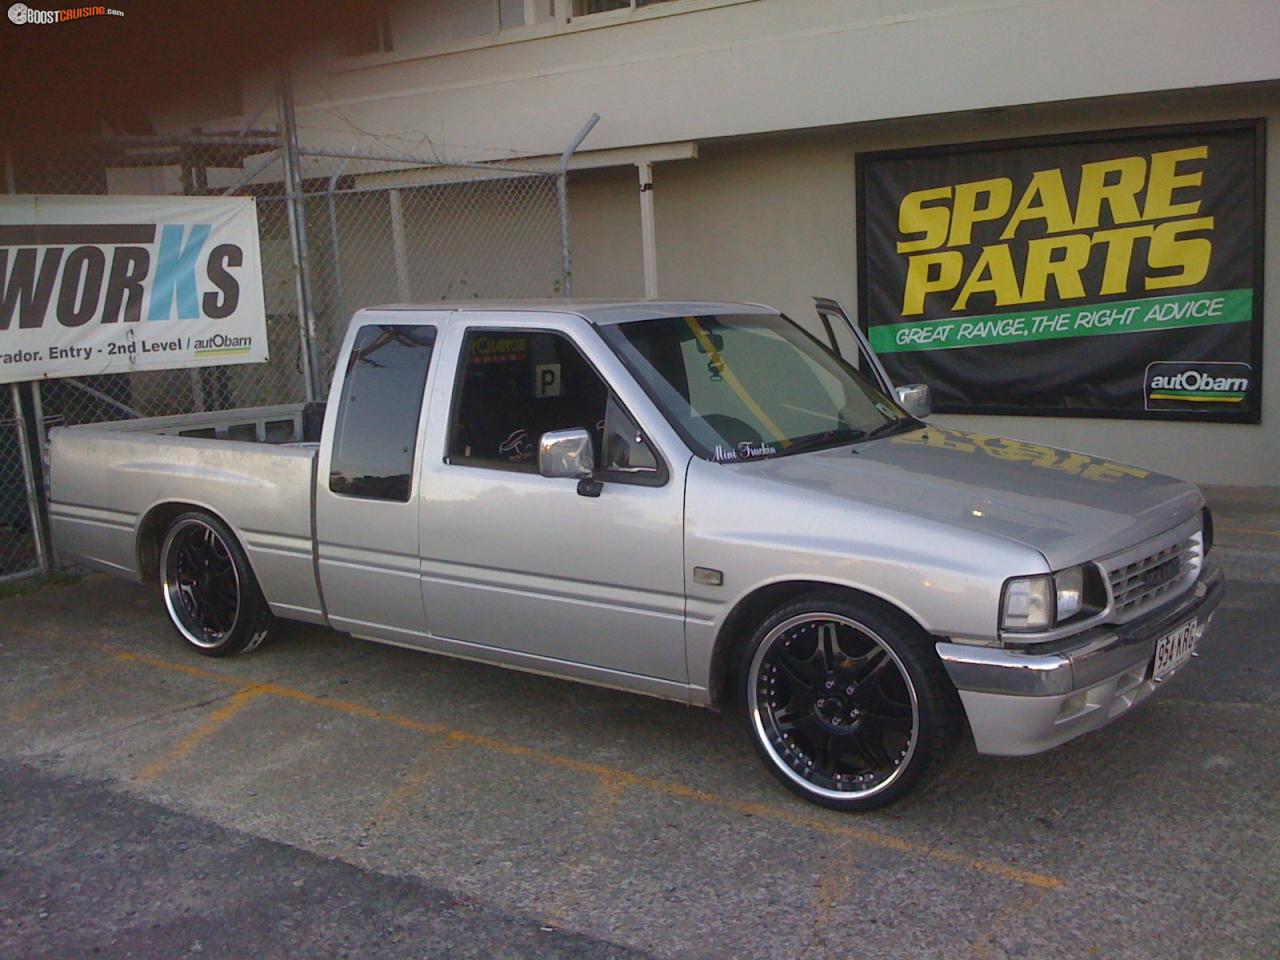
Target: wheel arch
{"points": [[751, 609], [155, 523]]}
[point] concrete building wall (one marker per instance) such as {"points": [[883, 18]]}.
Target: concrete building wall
{"points": [[700, 69], [772, 219]]}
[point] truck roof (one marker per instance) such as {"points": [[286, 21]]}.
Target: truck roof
{"points": [[599, 312]]}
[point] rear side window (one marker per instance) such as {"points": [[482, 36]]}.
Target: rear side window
{"points": [[378, 412]]}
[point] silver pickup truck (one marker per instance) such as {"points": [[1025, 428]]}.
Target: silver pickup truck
{"points": [[697, 501]]}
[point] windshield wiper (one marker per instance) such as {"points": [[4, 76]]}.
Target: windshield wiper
{"points": [[890, 427], [822, 441]]}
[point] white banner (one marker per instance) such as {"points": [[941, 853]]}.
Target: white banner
{"points": [[109, 284]]}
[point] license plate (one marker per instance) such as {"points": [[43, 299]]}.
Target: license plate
{"points": [[1174, 649]]}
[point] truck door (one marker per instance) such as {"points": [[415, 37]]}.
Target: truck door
{"points": [[914, 397], [367, 490], [585, 579]]}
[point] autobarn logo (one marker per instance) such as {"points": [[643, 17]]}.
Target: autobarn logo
{"points": [[1187, 385]]}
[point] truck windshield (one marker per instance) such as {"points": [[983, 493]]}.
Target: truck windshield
{"points": [[743, 387]]}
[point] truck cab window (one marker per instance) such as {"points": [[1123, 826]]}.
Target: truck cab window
{"points": [[625, 449], [516, 385], [378, 412]]}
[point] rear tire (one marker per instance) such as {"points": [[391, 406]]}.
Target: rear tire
{"points": [[212, 598], [847, 702]]}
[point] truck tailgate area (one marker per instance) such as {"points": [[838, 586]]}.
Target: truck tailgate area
{"points": [[108, 478]]}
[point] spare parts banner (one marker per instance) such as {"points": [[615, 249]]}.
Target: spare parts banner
{"points": [[1116, 274], [93, 285]]}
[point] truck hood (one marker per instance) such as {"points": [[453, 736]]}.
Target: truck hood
{"points": [[1069, 506]]}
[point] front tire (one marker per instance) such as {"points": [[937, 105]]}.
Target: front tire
{"points": [[210, 593], [847, 702]]}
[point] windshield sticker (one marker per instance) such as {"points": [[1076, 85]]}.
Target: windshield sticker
{"points": [[517, 448], [498, 350], [884, 408], [743, 451]]}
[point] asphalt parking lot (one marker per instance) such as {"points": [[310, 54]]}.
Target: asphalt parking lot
{"points": [[329, 797]]}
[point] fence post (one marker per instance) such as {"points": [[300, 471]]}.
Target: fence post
{"points": [[566, 257], [296, 206], [398, 247], [42, 454], [29, 480], [340, 310]]}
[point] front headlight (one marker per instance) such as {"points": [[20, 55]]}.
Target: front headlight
{"points": [[1046, 600], [1069, 592], [1028, 603]]}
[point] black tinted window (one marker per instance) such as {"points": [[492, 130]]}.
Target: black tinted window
{"points": [[517, 385], [378, 416]]}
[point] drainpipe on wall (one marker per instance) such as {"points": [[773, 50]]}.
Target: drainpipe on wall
{"points": [[648, 231]]}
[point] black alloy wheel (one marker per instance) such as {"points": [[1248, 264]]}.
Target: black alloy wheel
{"points": [[210, 593], [849, 705]]}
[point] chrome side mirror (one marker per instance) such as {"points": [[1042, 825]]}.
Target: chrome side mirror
{"points": [[566, 453], [914, 398]]}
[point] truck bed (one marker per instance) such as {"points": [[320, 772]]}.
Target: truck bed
{"points": [[116, 485]]}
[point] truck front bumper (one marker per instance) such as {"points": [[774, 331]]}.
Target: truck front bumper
{"points": [[1020, 702]]}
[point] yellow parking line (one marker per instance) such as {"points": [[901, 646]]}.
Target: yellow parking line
{"points": [[396, 802], [1019, 906], [233, 705], [25, 709], [186, 668], [601, 807], [1253, 532], [835, 883], [606, 802], [616, 778]]}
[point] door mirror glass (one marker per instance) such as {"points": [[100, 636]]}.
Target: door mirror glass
{"points": [[914, 398], [566, 453]]}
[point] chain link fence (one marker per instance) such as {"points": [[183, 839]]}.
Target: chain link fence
{"points": [[468, 234], [367, 230]]}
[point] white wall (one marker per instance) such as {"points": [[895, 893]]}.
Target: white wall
{"points": [[770, 65], [772, 219]]}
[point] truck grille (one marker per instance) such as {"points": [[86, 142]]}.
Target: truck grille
{"points": [[1144, 577]]}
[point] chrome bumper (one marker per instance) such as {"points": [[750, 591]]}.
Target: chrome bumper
{"points": [[1024, 701]]}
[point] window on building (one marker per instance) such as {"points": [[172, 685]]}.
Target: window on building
{"points": [[524, 13], [377, 426], [443, 24], [369, 32], [582, 8]]}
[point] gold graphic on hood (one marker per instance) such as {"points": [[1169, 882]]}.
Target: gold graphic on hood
{"points": [[1002, 448]]}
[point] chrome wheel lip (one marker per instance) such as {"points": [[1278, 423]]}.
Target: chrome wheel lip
{"points": [[758, 724], [170, 588]]}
